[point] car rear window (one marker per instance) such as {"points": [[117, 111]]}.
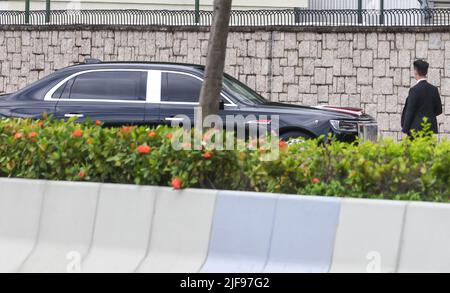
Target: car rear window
{"points": [[63, 92]]}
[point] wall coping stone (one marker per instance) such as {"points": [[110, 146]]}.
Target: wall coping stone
{"points": [[304, 29]]}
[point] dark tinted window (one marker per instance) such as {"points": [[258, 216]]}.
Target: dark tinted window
{"points": [[59, 91], [180, 88], [108, 85], [63, 92], [241, 91]]}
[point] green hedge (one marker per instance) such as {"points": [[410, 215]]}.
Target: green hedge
{"points": [[57, 150]]}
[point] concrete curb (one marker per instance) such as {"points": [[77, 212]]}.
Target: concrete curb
{"points": [[48, 226], [181, 231], [20, 211], [303, 236], [426, 239], [368, 236], [241, 233], [122, 229]]}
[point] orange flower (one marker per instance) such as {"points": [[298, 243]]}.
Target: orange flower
{"points": [[41, 124], [82, 174], [208, 155], [144, 149], [32, 135], [126, 129], [176, 183], [152, 134], [77, 133], [98, 122], [282, 144], [316, 181], [169, 135], [18, 135]]}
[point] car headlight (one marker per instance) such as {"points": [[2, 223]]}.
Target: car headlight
{"points": [[345, 126]]}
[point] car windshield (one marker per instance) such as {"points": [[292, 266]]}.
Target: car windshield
{"points": [[241, 91]]}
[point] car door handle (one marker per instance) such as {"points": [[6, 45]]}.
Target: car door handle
{"points": [[70, 115], [174, 119]]}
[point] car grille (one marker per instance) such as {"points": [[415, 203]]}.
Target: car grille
{"points": [[368, 131]]}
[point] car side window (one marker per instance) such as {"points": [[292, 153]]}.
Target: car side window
{"points": [[179, 87], [63, 92], [106, 85]]}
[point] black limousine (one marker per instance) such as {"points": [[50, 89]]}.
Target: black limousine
{"points": [[154, 93]]}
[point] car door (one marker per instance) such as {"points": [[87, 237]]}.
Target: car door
{"points": [[115, 97], [179, 96], [180, 93]]}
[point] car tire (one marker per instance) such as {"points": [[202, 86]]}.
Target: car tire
{"points": [[295, 136]]}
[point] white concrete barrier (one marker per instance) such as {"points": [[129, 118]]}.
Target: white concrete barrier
{"points": [[122, 229], [303, 235], [426, 239], [88, 227], [66, 228], [20, 209], [241, 233], [368, 236], [181, 231]]}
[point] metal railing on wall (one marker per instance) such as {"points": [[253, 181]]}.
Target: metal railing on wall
{"points": [[288, 17]]}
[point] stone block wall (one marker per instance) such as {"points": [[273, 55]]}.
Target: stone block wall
{"points": [[367, 68]]}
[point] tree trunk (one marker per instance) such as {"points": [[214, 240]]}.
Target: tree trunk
{"points": [[215, 63]]}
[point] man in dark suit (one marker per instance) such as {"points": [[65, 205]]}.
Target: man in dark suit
{"points": [[423, 101]]}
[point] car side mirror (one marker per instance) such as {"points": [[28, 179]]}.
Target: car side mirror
{"points": [[221, 104]]}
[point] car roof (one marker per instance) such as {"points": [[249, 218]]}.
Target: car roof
{"points": [[141, 65]]}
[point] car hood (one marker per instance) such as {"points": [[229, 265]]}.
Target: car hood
{"points": [[330, 111], [358, 112]]}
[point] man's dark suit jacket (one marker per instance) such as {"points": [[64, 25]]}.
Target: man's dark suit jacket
{"points": [[423, 101]]}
